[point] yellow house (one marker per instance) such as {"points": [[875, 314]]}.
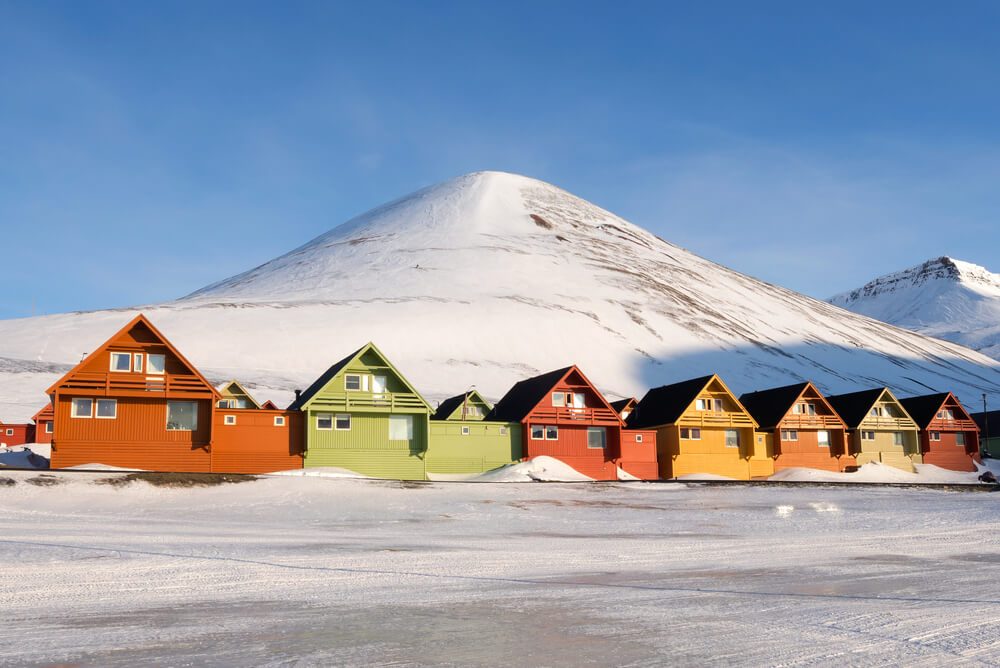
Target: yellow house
{"points": [[879, 428], [235, 395], [701, 427]]}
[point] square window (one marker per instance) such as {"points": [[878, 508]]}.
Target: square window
{"points": [[48, 427], [400, 427], [788, 435], [121, 362], [960, 438], [897, 438], [342, 422], [465, 431], [702, 404], [733, 438], [718, 405], [324, 422], [551, 433], [182, 415], [596, 438], [867, 436], [156, 364], [137, 362], [10, 432], [691, 434], [823, 439], [638, 438], [537, 432], [230, 419], [82, 408], [558, 398], [107, 409], [934, 435], [352, 382], [279, 420], [503, 431]]}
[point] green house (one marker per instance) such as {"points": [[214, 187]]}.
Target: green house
{"points": [[463, 443], [364, 416]]}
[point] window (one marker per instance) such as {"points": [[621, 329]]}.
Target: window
{"points": [[810, 409], [352, 382], [797, 408], [503, 431], [558, 398], [867, 436], [551, 433], [121, 362], [823, 439], [789, 435], [241, 402], [702, 404], [691, 434], [718, 405], [934, 436], [946, 414], [897, 438], [343, 422], [48, 427], [877, 411], [156, 364], [224, 403], [10, 432], [400, 427], [378, 386], [537, 432], [465, 431], [732, 438], [579, 400], [960, 438], [597, 438], [137, 362], [182, 415], [473, 411], [279, 420], [82, 408], [324, 422], [230, 419], [107, 409], [638, 438]]}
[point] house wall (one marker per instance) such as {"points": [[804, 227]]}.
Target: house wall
{"points": [[711, 455], [639, 459], [947, 453], [20, 434], [366, 448], [254, 444], [136, 438], [486, 447], [571, 448], [41, 435], [807, 452], [884, 450]]}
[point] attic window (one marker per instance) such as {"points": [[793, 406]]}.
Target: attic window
{"points": [[353, 383], [137, 362], [121, 362], [946, 414], [156, 364], [558, 398]]}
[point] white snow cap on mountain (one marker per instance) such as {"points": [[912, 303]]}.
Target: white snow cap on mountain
{"points": [[945, 298], [489, 278]]}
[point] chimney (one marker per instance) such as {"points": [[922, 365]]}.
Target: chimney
{"points": [[298, 394]]}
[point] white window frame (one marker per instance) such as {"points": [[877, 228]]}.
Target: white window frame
{"points": [[9, 432], [638, 438], [137, 362], [195, 428], [877, 411], [279, 420], [934, 435], [229, 420], [789, 435], [117, 354], [555, 430], [150, 366], [503, 431], [604, 438], [348, 377], [48, 427], [541, 432], [867, 435], [338, 417], [324, 416], [561, 401], [725, 435], [703, 404], [97, 412], [74, 413], [466, 431], [823, 443]]}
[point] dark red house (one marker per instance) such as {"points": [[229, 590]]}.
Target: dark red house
{"points": [[949, 438], [16, 434], [564, 416]]}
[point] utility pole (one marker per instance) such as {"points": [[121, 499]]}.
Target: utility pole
{"points": [[986, 428]]}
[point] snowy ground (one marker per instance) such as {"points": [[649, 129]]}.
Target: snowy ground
{"points": [[341, 571]]}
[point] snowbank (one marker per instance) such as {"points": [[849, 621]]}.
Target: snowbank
{"points": [[707, 477], [538, 469], [29, 456], [875, 472], [319, 472]]}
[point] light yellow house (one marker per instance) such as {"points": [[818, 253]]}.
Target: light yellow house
{"points": [[879, 428], [235, 395], [701, 427]]}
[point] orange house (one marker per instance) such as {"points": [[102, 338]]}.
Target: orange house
{"points": [[135, 402], [43, 420], [948, 436], [12, 434], [800, 428]]}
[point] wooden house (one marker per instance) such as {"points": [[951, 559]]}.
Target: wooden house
{"points": [[989, 432], [463, 443], [44, 426], [563, 415], [800, 428], [234, 395], [624, 407], [701, 427], [257, 440], [364, 416], [878, 428], [16, 433], [949, 437], [269, 405], [135, 402]]}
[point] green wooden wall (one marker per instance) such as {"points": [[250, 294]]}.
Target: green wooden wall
{"points": [[487, 446]]}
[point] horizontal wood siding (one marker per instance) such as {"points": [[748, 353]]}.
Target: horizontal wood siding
{"points": [[639, 459], [709, 454], [883, 449], [484, 448], [254, 444], [571, 448], [22, 433], [366, 448], [948, 454], [808, 453]]}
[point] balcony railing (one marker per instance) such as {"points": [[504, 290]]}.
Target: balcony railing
{"points": [[799, 421], [360, 401], [952, 425], [113, 384], [714, 419], [582, 415], [884, 422]]}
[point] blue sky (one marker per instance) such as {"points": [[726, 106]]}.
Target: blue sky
{"points": [[147, 149]]}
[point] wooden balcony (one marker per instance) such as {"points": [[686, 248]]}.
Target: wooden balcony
{"points": [[360, 401], [714, 419], [807, 422], [557, 414], [952, 425], [887, 423], [133, 384]]}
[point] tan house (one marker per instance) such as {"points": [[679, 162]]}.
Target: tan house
{"points": [[878, 428]]}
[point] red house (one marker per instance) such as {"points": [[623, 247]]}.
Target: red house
{"points": [[44, 424], [564, 416], [949, 438], [16, 434]]}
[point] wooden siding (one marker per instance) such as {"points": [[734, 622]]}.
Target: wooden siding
{"points": [[484, 448], [254, 444], [947, 453], [366, 448], [807, 452], [639, 458], [883, 449], [20, 434], [679, 457]]}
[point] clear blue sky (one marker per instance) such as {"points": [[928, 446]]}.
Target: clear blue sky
{"points": [[150, 148]]}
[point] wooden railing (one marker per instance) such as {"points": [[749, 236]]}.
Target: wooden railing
{"points": [[884, 422], [713, 419], [562, 414], [799, 421], [355, 401], [952, 425], [111, 384]]}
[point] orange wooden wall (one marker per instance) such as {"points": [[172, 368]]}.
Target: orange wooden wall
{"points": [[254, 444], [947, 454]]}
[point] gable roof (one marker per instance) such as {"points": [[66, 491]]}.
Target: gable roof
{"points": [[226, 387], [924, 409], [769, 407], [853, 407], [665, 404], [139, 319], [269, 406], [525, 395], [303, 399], [991, 418], [46, 413], [622, 404], [451, 404]]}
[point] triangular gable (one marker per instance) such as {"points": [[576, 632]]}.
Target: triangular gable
{"points": [[527, 395], [132, 324], [924, 409], [854, 407], [450, 408], [669, 403], [892, 398], [240, 391], [269, 406], [46, 414], [306, 398], [771, 407], [622, 405]]}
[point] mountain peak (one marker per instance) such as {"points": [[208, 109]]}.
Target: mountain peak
{"points": [[942, 269]]}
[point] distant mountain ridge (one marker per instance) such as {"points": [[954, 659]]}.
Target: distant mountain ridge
{"points": [[489, 278], [944, 298]]}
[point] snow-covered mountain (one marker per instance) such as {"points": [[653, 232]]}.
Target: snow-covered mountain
{"points": [[945, 298], [491, 277]]}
